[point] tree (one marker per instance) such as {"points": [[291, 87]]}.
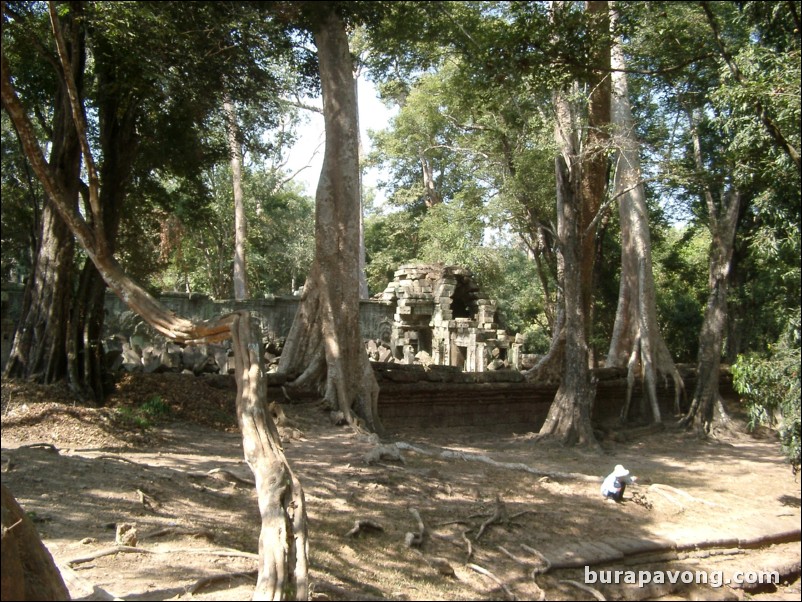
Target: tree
{"points": [[283, 543], [39, 347], [636, 341], [723, 221], [240, 224], [581, 183], [324, 350]]}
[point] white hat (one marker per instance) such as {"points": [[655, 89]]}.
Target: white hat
{"points": [[620, 471]]}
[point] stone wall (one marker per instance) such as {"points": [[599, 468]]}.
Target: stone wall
{"points": [[123, 327]]}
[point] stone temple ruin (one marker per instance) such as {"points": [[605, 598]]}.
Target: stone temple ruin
{"points": [[442, 318]]}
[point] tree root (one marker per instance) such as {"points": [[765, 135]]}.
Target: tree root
{"points": [[469, 457], [43, 446], [659, 488], [415, 540], [205, 533], [363, 526], [499, 582], [499, 516], [224, 475], [132, 550], [206, 581], [586, 588], [537, 568]]}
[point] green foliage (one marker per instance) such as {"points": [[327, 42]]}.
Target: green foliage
{"points": [[681, 274], [770, 386], [145, 415]]}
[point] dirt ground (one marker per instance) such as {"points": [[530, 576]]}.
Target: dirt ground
{"points": [[165, 452]]}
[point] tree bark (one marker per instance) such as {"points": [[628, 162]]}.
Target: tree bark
{"points": [[723, 222], [593, 172], [569, 417], [240, 225], [636, 341], [29, 572], [39, 350], [324, 351]]}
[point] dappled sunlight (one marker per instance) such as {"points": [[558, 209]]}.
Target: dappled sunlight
{"points": [[190, 483]]}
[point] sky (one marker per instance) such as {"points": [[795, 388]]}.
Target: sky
{"points": [[308, 151]]}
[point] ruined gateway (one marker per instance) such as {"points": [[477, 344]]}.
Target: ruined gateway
{"points": [[442, 318]]}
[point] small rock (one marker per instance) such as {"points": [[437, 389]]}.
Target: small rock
{"points": [[126, 535]]}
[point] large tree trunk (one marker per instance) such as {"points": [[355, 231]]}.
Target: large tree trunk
{"points": [[118, 140], [29, 572], [723, 221], [39, 350], [593, 172], [282, 543], [637, 341], [240, 226], [581, 178], [569, 417], [324, 351]]}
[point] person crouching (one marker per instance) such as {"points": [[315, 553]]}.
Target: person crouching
{"points": [[616, 483]]}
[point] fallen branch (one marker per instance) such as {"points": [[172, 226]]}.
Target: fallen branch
{"points": [[363, 525], [486, 573], [586, 588]]}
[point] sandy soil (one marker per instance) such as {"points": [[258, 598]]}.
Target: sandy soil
{"points": [[197, 532]]}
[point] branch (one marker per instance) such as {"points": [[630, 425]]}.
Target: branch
{"points": [[771, 127]]}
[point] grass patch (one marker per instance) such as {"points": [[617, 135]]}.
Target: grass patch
{"points": [[143, 416]]}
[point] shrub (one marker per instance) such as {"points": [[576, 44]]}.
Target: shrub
{"points": [[770, 386]]}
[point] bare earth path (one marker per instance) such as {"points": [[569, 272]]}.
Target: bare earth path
{"points": [[183, 483]]}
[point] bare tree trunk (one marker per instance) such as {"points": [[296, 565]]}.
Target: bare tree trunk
{"points": [[364, 293], [283, 542], [636, 342], [723, 222], [569, 417], [324, 349], [240, 226], [593, 172]]}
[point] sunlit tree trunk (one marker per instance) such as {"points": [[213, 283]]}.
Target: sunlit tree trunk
{"points": [[240, 225], [324, 351], [569, 417], [636, 342]]}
